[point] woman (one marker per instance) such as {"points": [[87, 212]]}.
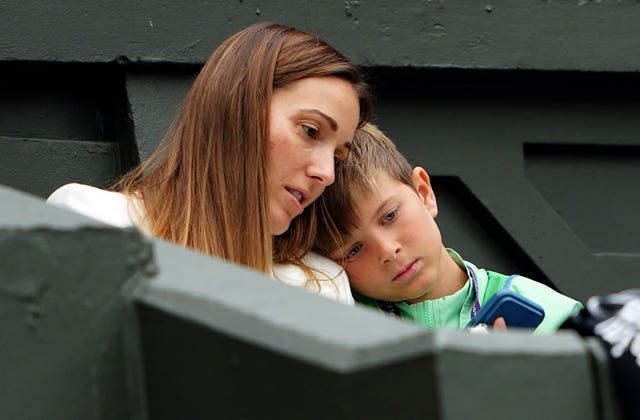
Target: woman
{"points": [[253, 145]]}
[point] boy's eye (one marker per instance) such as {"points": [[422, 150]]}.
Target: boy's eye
{"points": [[310, 131], [389, 217], [353, 251]]}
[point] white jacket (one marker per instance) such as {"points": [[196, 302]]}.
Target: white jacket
{"points": [[119, 210]]}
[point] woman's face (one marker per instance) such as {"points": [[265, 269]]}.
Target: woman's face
{"points": [[311, 124]]}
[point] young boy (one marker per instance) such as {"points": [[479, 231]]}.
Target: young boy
{"points": [[378, 223]]}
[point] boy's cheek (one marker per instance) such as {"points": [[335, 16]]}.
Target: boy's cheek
{"points": [[336, 258], [356, 279]]}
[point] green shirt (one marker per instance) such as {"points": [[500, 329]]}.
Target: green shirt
{"points": [[454, 311]]}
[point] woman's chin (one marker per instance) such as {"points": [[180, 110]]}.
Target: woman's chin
{"points": [[280, 227]]}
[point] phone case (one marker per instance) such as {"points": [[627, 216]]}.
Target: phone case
{"points": [[516, 310]]}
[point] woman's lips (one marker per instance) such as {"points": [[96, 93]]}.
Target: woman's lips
{"points": [[298, 198], [297, 194], [408, 271]]}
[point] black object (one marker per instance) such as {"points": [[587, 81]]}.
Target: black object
{"points": [[615, 320]]}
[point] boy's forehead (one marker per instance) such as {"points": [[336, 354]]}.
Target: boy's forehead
{"points": [[371, 189], [366, 185], [367, 201], [363, 200]]}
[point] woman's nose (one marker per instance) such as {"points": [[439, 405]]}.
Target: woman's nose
{"points": [[322, 168]]}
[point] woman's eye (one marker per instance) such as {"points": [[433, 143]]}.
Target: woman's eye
{"points": [[353, 251], [389, 217], [310, 131]]}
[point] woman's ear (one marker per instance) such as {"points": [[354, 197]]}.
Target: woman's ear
{"points": [[422, 184]]}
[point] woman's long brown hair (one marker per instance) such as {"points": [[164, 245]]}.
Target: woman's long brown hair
{"points": [[205, 186]]}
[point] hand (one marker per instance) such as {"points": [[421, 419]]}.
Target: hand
{"points": [[500, 324]]}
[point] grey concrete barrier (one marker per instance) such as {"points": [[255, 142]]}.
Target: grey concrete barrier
{"points": [[220, 341], [99, 322], [62, 312]]}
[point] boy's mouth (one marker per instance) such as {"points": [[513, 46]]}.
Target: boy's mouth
{"points": [[407, 272]]}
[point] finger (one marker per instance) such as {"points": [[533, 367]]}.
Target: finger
{"points": [[500, 324]]}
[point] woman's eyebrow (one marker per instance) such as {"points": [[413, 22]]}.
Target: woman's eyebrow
{"points": [[332, 122]]}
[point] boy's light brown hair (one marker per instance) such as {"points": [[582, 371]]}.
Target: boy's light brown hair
{"points": [[372, 153]]}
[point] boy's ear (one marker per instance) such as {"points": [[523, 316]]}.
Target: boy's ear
{"points": [[422, 184]]}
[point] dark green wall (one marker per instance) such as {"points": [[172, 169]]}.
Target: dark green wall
{"points": [[539, 169], [524, 114], [547, 35]]}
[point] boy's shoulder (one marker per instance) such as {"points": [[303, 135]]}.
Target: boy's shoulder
{"points": [[524, 286], [558, 307], [495, 282]]}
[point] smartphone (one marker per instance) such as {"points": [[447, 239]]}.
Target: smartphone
{"points": [[516, 310]]}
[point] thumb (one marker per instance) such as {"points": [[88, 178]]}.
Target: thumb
{"points": [[500, 324]]}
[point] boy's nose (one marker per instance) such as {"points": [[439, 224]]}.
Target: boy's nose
{"points": [[388, 251]]}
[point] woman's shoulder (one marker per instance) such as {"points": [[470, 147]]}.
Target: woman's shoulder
{"points": [[319, 274], [110, 207]]}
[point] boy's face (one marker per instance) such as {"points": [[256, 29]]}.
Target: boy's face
{"points": [[396, 253]]}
